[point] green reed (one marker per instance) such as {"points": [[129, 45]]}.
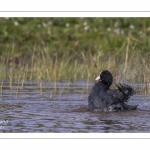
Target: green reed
{"points": [[45, 49], [41, 66], [135, 68]]}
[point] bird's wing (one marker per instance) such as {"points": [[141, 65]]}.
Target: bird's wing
{"points": [[115, 96]]}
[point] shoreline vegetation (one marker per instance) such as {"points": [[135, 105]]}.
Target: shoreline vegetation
{"points": [[72, 49]]}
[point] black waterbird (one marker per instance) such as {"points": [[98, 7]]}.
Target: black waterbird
{"points": [[103, 98]]}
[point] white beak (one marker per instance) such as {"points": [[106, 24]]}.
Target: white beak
{"points": [[98, 78]]}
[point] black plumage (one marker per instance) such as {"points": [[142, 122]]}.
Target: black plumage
{"points": [[103, 98]]}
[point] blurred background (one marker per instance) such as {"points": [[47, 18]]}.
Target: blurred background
{"points": [[74, 49]]}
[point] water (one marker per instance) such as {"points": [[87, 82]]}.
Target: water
{"points": [[43, 109]]}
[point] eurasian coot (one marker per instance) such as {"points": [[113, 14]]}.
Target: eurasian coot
{"points": [[103, 98]]}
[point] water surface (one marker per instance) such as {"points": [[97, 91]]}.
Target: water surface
{"points": [[33, 108]]}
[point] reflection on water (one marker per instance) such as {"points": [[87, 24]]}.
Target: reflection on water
{"points": [[35, 109]]}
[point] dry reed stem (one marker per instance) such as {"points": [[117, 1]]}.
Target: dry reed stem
{"points": [[126, 58], [2, 88]]}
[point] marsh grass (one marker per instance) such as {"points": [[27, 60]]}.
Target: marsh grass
{"points": [[73, 49], [1, 87], [137, 71], [46, 68]]}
